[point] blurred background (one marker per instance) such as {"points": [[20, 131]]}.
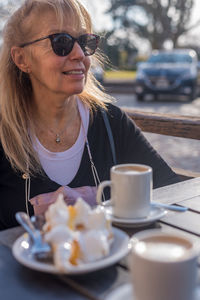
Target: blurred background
{"points": [[153, 48], [132, 30]]}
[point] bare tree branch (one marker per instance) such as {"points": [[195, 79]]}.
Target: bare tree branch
{"points": [[164, 20]]}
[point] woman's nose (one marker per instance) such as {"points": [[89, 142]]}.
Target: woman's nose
{"points": [[77, 52]]}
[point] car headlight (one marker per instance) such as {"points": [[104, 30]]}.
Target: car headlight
{"points": [[190, 74], [140, 74]]}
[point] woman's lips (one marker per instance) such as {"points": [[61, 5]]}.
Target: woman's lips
{"points": [[78, 74], [74, 72]]}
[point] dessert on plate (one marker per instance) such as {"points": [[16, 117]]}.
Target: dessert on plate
{"points": [[77, 234]]}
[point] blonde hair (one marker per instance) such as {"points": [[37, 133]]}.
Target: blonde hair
{"points": [[15, 85]]}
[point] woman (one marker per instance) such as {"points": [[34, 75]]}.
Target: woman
{"points": [[53, 136]]}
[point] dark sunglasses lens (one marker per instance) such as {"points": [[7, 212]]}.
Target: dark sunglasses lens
{"points": [[88, 43], [62, 44]]}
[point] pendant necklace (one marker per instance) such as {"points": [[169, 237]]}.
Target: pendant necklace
{"points": [[58, 135], [57, 138]]}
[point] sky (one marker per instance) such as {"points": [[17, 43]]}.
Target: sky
{"points": [[196, 10], [97, 11]]}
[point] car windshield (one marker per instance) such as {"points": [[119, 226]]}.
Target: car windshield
{"points": [[170, 58]]}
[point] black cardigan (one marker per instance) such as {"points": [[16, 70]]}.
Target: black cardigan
{"points": [[131, 147]]}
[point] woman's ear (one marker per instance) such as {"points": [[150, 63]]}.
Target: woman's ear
{"points": [[20, 59]]}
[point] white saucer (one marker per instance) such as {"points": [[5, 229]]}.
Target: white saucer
{"points": [[126, 291], [154, 215]]}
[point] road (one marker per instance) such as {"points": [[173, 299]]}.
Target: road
{"points": [[177, 152]]}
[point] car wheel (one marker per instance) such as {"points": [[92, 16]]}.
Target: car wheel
{"points": [[155, 97], [192, 95], [140, 98]]}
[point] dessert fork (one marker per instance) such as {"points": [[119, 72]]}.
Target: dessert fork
{"points": [[40, 249]]}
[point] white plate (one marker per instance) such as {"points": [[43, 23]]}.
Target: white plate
{"points": [[126, 291], [155, 214], [120, 248]]}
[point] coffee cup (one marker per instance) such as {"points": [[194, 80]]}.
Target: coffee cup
{"points": [[131, 190], [163, 266]]}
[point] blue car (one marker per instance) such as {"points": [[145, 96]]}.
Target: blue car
{"points": [[168, 72]]}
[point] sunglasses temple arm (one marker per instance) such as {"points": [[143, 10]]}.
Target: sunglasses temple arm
{"points": [[38, 40]]}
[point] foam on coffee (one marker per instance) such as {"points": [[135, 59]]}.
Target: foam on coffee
{"points": [[132, 169], [165, 249]]}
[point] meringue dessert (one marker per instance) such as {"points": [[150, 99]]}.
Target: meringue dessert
{"points": [[77, 234]]}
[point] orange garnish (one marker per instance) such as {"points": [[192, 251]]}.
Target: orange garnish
{"points": [[72, 215], [80, 227], [48, 227], [75, 253]]}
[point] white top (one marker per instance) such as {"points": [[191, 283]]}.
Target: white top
{"points": [[62, 167]]}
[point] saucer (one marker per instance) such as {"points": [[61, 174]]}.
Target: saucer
{"points": [[155, 214], [126, 291]]}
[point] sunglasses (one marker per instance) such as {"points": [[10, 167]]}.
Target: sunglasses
{"points": [[63, 43]]}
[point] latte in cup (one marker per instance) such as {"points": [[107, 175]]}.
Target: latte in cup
{"points": [[165, 264], [131, 190], [164, 248], [129, 169]]}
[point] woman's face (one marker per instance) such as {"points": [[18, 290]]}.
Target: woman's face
{"points": [[53, 75]]}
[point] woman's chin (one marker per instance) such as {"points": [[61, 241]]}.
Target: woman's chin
{"points": [[77, 90], [72, 93]]}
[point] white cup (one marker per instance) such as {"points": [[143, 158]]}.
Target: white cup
{"points": [[163, 266], [131, 190]]}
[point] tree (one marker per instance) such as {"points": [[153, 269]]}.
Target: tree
{"points": [[157, 21], [121, 54]]}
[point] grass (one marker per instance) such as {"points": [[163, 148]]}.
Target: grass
{"points": [[120, 75]]}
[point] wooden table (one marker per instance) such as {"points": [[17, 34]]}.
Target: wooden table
{"points": [[19, 282]]}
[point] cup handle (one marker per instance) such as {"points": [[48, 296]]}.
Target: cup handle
{"points": [[100, 189]]}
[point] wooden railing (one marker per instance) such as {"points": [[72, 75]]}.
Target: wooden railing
{"points": [[168, 124]]}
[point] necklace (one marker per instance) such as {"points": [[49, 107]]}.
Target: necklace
{"points": [[58, 135], [57, 138]]}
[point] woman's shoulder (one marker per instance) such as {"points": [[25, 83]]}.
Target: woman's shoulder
{"points": [[119, 121], [119, 117], [113, 111]]}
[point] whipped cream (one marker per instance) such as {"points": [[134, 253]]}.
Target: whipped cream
{"points": [[62, 256], [83, 211], [97, 219], [59, 234], [57, 213], [77, 234], [94, 245]]}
